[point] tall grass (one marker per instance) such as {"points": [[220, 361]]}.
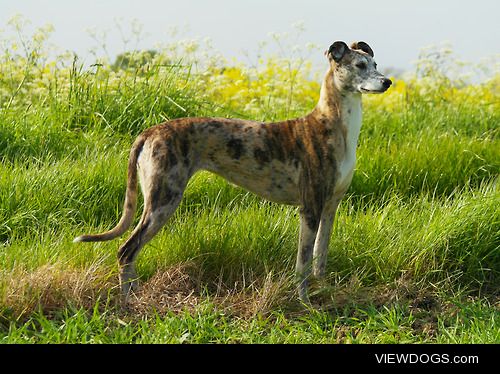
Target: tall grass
{"points": [[420, 221]]}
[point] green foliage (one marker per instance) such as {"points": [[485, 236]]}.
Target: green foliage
{"points": [[134, 60]]}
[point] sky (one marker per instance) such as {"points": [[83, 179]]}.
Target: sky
{"points": [[395, 29]]}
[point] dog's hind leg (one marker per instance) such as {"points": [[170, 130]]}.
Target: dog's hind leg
{"points": [[151, 222], [160, 202]]}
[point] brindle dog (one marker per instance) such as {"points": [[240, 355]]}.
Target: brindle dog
{"points": [[308, 162]]}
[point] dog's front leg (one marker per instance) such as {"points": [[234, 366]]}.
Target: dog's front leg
{"points": [[320, 252], [308, 230]]}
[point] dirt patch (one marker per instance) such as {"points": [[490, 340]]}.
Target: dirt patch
{"points": [[50, 288], [182, 288]]}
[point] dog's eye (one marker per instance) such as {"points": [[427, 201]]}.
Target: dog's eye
{"points": [[361, 65]]}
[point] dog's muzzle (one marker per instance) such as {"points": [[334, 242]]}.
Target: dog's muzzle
{"points": [[386, 83]]}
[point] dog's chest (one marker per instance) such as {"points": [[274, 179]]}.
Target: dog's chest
{"points": [[351, 119]]}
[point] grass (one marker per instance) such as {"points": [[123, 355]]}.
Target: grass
{"points": [[414, 256], [472, 322]]}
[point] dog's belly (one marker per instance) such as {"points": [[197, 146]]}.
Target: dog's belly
{"points": [[276, 183]]}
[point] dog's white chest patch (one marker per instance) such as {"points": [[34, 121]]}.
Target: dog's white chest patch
{"points": [[351, 117]]}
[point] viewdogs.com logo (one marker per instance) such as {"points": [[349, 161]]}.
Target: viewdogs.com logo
{"points": [[424, 358]]}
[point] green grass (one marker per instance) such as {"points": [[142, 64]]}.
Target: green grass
{"points": [[414, 255], [474, 322]]}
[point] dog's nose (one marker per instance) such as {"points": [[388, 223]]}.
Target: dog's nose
{"points": [[387, 83]]}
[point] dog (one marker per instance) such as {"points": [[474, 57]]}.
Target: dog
{"points": [[307, 162]]}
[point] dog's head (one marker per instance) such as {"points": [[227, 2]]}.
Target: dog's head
{"points": [[355, 69]]}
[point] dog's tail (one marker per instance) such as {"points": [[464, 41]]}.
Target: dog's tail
{"points": [[130, 204]]}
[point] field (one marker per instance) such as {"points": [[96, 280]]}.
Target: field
{"points": [[415, 251]]}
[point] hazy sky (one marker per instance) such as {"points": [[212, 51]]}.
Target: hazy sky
{"points": [[395, 29]]}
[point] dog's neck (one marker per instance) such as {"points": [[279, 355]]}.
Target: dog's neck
{"points": [[335, 104], [342, 110]]}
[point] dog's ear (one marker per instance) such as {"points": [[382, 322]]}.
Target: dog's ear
{"points": [[337, 50], [363, 47]]}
